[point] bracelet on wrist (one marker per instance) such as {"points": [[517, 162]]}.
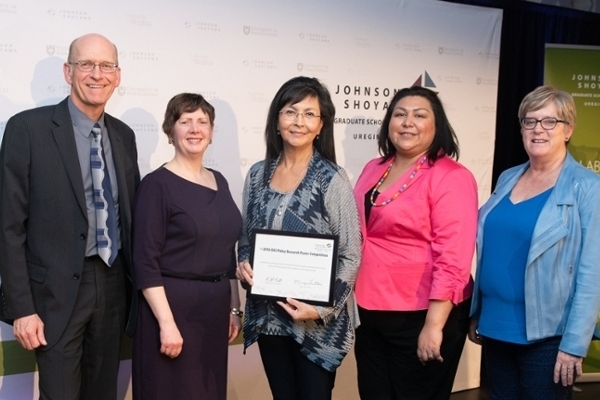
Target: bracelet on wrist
{"points": [[237, 312]]}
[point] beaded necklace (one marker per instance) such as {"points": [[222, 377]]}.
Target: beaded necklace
{"points": [[418, 166]]}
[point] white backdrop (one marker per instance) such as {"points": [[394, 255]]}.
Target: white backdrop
{"points": [[237, 54]]}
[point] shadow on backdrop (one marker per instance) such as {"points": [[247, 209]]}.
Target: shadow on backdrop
{"points": [[147, 133], [359, 145], [48, 86], [223, 154]]}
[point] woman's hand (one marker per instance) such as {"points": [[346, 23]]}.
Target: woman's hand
{"points": [[244, 272], [430, 341], [431, 336], [299, 311], [473, 334], [567, 369], [235, 321], [171, 342], [235, 326]]}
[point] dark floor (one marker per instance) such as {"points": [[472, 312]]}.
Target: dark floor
{"points": [[583, 391]]}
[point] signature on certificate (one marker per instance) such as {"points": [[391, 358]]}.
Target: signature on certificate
{"points": [[309, 282]]}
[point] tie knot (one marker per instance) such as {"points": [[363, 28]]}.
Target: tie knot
{"points": [[96, 130]]}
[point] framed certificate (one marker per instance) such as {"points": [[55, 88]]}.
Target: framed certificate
{"points": [[297, 265]]}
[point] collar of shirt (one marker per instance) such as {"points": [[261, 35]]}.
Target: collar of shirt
{"points": [[82, 123]]}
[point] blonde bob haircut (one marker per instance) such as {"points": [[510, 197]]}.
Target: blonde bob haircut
{"points": [[544, 95]]}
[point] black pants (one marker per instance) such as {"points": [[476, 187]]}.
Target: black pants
{"points": [[386, 355], [291, 375], [84, 363]]}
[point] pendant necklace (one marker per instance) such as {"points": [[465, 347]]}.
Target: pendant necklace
{"points": [[418, 166]]}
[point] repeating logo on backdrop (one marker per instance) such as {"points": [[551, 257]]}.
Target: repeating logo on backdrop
{"points": [[143, 55], [56, 50], [138, 91], [201, 60], [486, 81], [259, 31], [450, 51], [314, 37], [69, 13], [202, 26], [259, 64], [138, 20], [8, 9]]}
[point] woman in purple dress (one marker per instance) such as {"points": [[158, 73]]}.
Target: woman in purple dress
{"points": [[186, 225]]}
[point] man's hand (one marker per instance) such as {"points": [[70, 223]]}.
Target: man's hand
{"points": [[29, 331]]}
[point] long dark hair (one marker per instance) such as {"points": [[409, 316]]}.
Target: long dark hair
{"points": [[444, 140], [292, 92]]}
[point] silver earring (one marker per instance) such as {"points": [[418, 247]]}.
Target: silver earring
{"points": [[170, 140], [279, 133], [210, 141]]}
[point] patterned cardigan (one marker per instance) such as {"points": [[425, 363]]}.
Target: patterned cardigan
{"points": [[322, 203]]}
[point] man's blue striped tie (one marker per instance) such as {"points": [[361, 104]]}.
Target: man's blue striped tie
{"points": [[106, 223]]}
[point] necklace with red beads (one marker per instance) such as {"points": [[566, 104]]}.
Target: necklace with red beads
{"points": [[418, 166]]}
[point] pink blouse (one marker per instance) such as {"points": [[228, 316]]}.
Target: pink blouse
{"points": [[420, 246]]}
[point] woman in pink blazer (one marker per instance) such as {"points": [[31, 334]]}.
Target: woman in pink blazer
{"points": [[418, 210]]}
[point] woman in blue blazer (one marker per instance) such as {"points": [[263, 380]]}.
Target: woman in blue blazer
{"points": [[536, 298]]}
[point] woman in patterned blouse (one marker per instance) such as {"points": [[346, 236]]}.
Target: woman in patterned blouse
{"points": [[300, 188]]}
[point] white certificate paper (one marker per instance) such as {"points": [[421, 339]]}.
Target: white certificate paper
{"points": [[297, 265]]}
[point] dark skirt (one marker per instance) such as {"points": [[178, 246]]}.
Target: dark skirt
{"points": [[201, 311]]}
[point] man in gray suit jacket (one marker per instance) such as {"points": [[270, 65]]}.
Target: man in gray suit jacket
{"points": [[67, 303]]}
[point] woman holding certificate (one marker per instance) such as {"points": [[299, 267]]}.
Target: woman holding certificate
{"points": [[418, 212], [299, 188]]}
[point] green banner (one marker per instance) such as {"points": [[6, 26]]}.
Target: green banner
{"points": [[576, 69]]}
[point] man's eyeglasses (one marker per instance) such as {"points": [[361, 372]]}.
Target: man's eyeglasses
{"points": [[547, 123], [291, 115], [88, 66]]}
